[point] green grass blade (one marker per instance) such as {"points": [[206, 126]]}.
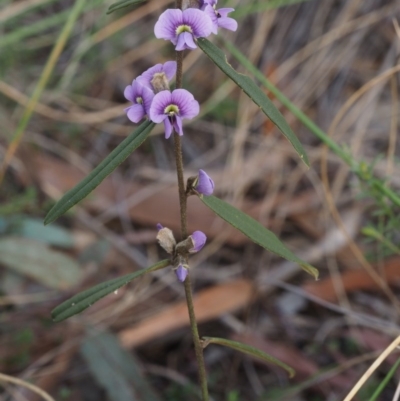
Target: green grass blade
{"points": [[107, 166], [255, 231], [83, 300], [385, 381], [249, 350], [254, 93], [123, 4]]}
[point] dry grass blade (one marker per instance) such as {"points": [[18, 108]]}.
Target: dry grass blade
{"points": [[22, 383]]}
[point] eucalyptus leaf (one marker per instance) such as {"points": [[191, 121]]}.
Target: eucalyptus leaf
{"points": [[83, 300], [249, 350], [106, 167], [254, 93], [123, 4], [255, 231]]}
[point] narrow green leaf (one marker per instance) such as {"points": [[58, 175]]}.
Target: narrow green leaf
{"points": [[255, 231], [248, 350], [254, 93], [83, 300], [106, 167], [122, 4]]}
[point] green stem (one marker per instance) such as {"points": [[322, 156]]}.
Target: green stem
{"points": [[318, 132], [183, 214]]}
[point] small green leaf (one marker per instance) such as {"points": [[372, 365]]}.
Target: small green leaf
{"points": [[83, 300], [122, 4], [254, 93], [106, 167], [249, 350], [255, 231]]}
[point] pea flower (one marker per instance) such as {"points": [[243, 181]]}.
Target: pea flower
{"points": [[156, 78], [219, 17], [141, 97], [199, 239], [183, 27], [171, 108], [181, 272], [205, 185]]}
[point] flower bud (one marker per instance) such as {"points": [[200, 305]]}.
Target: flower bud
{"points": [[166, 239], [160, 82], [181, 272], [205, 185], [199, 239]]}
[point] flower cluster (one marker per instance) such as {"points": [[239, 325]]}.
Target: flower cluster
{"points": [[152, 98], [150, 93]]}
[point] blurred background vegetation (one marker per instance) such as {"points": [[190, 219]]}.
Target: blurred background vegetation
{"points": [[62, 111]]}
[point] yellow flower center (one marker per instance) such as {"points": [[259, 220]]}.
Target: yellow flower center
{"points": [[139, 100], [171, 110], [183, 28]]}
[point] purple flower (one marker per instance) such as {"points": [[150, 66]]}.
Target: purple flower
{"points": [[199, 239], [181, 272], [219, 17], [141, 97], [158, 72], [159, 226], [172, 107], [183, 27], [205, 185]]}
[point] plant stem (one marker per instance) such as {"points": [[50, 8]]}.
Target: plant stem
{"points": [[183, 208], [196, 340]]}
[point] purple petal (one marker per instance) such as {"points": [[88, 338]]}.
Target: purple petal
{"points": [[178, 125], [181, 272], [147, 97], [223, 12], [209, 10], [199, 22], [159, 226], [165, 27], [205, 184], [169, 69], [135, 113], [147, 76], [199, 239], [168, 128], [160, 101], [188, 106], [189, 40], [228, 23], [128, 93], [180, 44]]}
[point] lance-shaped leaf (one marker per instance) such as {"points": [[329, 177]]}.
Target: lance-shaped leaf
{"points": [[249, 350], [106, 167], [122, 4], [254, 93], [255, 231], [83, 300]]}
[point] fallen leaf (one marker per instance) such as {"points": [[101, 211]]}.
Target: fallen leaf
{"points": [[208, 304], [354, 280]]}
